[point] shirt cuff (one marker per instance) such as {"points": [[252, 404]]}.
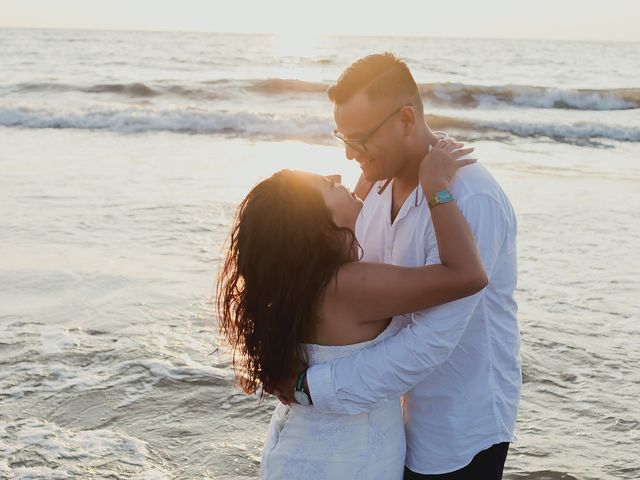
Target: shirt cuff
{"points": [[321, 388]]}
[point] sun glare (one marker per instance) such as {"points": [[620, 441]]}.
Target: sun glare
{"points": [[298, 44]]}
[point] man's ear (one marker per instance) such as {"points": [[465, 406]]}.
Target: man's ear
{"points": [[408, 117], [334, 178]]}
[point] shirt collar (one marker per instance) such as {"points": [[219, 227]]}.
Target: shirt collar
{"points": [[414, 200], [417, 194]]}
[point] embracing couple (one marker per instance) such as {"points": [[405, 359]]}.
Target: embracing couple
{"points": [[383, 319]]}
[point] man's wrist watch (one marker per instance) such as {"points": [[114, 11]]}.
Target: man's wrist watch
{"points": [[443, 196], [299, 394]]}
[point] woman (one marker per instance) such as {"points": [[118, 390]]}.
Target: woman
{"points": [[292, 291]]}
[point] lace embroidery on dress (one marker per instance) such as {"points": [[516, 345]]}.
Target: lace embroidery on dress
{"points": [[298, 466], [303, 443]]}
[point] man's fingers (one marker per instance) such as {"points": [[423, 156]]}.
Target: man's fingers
{"points": [[281, 397]]}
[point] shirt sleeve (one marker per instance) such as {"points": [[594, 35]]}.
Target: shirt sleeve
{"points": [[358, 383]]}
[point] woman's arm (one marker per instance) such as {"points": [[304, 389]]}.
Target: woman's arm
{"points": [[372, 291]]}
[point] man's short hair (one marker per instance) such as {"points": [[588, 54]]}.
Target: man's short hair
{"points": [[380, 75]]}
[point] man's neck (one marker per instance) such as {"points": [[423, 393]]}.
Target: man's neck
{"points": [[407, 180]]}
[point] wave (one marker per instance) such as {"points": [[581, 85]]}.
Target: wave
{"points": [[186, 120], [457, 94], [543, 475], [213, 89], [132, 90], [558, 131], [282, 127], [442, 94], [34, 448], [281, 85]]}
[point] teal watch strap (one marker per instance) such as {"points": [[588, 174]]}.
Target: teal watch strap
{"points": [[299, 394], [300, 380]]}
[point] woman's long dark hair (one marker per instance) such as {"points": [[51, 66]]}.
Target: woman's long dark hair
{"points": [[284, 249]]}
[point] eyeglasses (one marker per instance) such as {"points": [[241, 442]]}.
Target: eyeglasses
{"points": [[359, 144]]}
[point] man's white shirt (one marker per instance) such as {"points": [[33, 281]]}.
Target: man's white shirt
{"points": [[458, 364]]}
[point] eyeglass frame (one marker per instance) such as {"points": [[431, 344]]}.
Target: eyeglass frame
{"points": [[361, 142]]}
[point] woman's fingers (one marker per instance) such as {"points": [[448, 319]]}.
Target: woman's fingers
{"points": [[451, 152], [441, 143], [452, 147], [465, 162], [461, 152], [455, 151], [448, 145]]}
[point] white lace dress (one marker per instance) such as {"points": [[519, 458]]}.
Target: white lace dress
{"points": [[303, 443]]}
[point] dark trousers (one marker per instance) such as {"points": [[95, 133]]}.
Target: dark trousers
{"points": [[487, 465]]}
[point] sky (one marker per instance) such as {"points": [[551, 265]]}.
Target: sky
{"points": [[615, 20]]}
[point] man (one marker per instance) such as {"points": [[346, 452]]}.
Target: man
{"points": [[458, 364]]}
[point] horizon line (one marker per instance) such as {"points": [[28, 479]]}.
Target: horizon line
{"points": [[178, 30]]}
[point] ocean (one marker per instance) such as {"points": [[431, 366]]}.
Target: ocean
{"points": [[123, 156]]}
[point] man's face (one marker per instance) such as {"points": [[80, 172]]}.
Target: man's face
{"points": [[379, 126]]}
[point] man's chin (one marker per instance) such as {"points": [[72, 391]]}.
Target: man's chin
{"points": [[374, 178], [371, 171], [370, 176]]}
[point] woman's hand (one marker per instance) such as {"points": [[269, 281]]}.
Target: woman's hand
{"points": [[440, 165], [362, 188]]}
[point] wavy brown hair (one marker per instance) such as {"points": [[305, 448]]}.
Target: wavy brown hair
{"points": [[284, 248]]}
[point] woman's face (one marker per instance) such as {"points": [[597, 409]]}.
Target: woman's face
{"points": [[342, 203]]}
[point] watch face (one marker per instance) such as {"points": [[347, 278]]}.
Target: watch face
{"points": [[444, 196], [301, 398]]}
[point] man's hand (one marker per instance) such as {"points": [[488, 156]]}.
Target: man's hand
{"points": [[285, 388]]}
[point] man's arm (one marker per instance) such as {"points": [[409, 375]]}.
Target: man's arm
{"points": [[357, 383]]}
